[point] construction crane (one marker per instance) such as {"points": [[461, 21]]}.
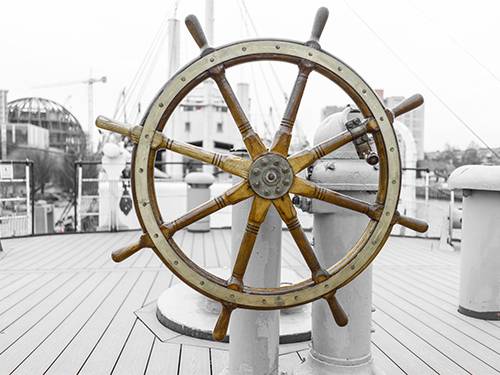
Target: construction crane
{"points": [[90, 85]]}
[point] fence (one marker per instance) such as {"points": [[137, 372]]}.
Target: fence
{"points": [[432, 202], [16, 198], [92, 213]]}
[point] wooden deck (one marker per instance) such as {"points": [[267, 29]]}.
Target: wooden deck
{"points": [[66, 308]]}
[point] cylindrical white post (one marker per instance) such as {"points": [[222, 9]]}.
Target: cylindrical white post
{"points": [[254, 335], [479, 295], [341, 350], [198, 192]]}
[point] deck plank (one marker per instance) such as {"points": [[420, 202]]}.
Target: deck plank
{"points": [[78, 348], [57, 313], [103, 357], [55, 342], [446, 346], [164, 359], [20, 348], [194, 361]]}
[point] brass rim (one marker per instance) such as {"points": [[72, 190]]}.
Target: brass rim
{"points": [[356, 259]]}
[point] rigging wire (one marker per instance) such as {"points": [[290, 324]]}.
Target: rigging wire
{"points": [[273, 71], [254, 81], [140, 71], [421, 80], [456, 42]]}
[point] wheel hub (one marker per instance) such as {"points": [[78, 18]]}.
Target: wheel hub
{"points": [[270, 176]]}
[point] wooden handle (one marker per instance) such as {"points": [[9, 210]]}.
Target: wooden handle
{"points": [[127, 251], [319, 24], [196, 31], [412, 223], [337, 311], [116, 127], [222, 324], [407, 105]]}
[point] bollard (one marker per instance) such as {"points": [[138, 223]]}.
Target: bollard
{"points": [[198, 192], [254, 334], [479, 291], [334, 349]]}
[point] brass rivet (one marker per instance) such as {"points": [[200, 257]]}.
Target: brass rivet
{"points": [[310, 54], [202, 283], [231, 296], [339, 68], [393, 181], [183, 79], [391, 149], [145, 204], [155, 235], [160, 105], [364, 91], [244, 49], [381, 118], [141, 170], [176, 262], [277, 47]]}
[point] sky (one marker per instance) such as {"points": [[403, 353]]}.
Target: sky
{"points": [[445, 50]]}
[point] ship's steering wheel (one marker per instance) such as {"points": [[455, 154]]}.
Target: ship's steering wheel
{"points": [[269, 177]]}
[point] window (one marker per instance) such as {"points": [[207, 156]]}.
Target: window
{"points": [[187, 127], [219, 127]]}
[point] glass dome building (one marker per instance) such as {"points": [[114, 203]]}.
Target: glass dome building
{"points": [[65, 132]]}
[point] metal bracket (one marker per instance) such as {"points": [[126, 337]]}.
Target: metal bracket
{"points": [[362, 144]]}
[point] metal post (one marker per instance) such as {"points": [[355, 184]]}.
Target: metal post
{"points": [[426, 188], [254, 335], [341, 350], [79, 199], [29, 213]]}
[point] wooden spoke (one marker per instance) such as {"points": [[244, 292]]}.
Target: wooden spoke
{"points": [[228, 163], [303, 159], [337, 311], [309, 189], [251, 139], [285, 208], [318, 26], [283, 136], [257, 214], [234, 195], [220, 330], [121, 254], [405, 106]]}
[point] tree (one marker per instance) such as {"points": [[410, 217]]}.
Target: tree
{"points": [[43, 167]]}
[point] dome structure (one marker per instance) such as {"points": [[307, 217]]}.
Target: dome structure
{"points": [[65, 132]]}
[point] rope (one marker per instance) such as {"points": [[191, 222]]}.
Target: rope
{"points": [[421, 80]]}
